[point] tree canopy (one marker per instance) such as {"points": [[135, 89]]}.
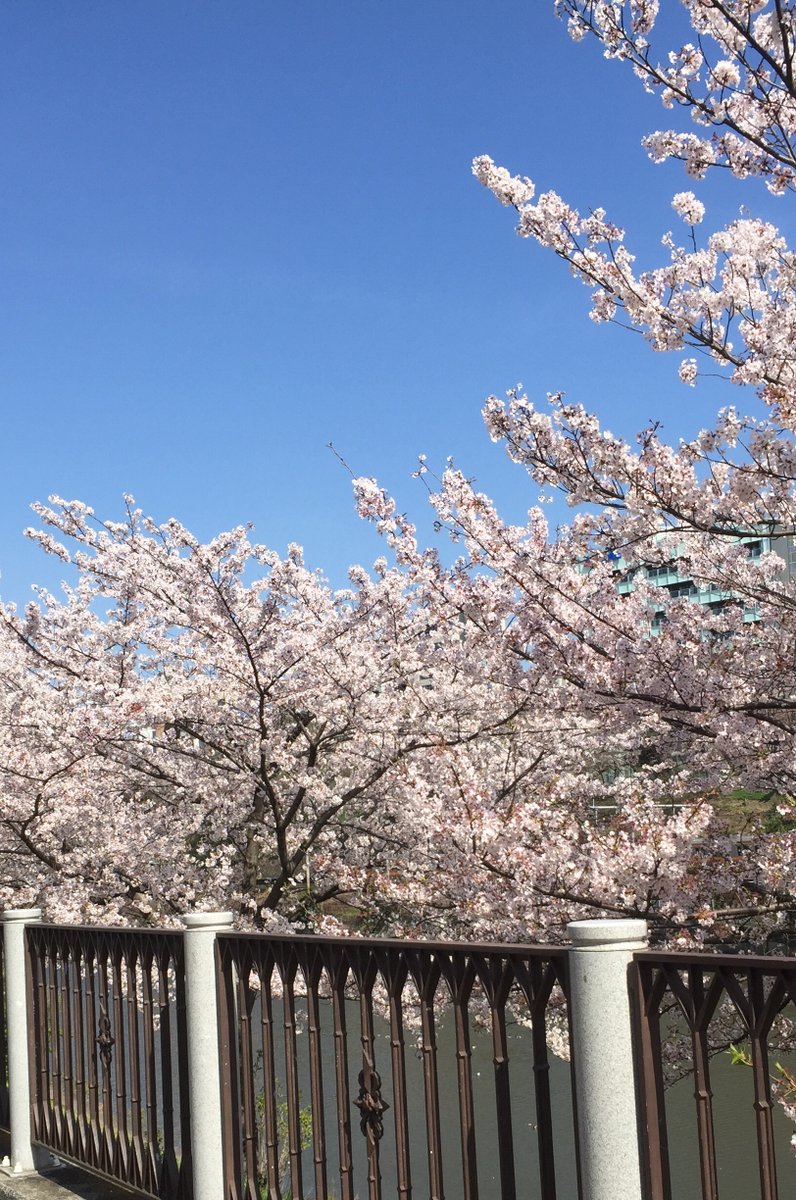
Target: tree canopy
{"points": [[537, 732]]}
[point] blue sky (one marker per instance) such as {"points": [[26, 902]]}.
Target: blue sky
{"points": [[235, 230]]}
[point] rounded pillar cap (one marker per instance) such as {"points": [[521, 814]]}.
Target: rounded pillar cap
{"points": [[208, 920], [21, 914], [608, 934]]}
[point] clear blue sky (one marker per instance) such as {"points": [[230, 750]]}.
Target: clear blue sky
{"points": [[235, 230]]}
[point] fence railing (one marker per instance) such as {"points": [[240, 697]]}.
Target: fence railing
{"points": [[108, 1053], [267, 988], [209, 1065], [689, 1007]]}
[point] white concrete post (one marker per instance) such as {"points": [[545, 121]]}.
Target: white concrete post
{"points": [[602, 1054], [23, 1156], [204, 1071]]}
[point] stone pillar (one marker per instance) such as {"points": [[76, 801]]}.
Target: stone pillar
{"points": [[23, 1156], [204, 1072], [602, 1054]]}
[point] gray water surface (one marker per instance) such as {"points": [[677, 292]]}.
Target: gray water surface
{"points": [[736, 1143]]}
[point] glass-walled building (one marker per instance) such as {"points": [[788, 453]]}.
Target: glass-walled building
{"points": [[675, 585]]}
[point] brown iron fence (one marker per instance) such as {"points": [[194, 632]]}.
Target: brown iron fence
{"points": [[689, 1008], [108, 1053], [355, 1067], [283, 1141]]}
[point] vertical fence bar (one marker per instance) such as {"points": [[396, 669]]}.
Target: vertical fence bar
{"points": [[338, 975], [23, 1156], [122, 1064], [395, 981], [287, 970], [647, 989], [169, 1167], [763, 1108], [270, 1116], [81, 1140], [312, 976], [426, 974], [599, 960], [460, 981], [204, 1070], [186, 1169], [500, 1062], [226, 976], [370, 1086], [95, 1125], [105, 1066], [542, 982], [248, 1098], [54, 1037], [703, 1099], [68, 1040], [153, 1151], [39, 1043]]}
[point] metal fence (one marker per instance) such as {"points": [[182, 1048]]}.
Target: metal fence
{"points": [[359, 1067], [393, 994], [108, 1051], [689, 1008]]}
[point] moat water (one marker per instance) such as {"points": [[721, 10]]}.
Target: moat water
{"points": [[734, 1116]]}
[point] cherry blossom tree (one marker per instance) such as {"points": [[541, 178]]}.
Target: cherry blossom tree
{"points": [[213, 725], [532, 734], [666, 703], [649, 728], [704, 692]]}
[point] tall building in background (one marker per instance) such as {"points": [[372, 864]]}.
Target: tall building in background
{"points": [[675, 585]]}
